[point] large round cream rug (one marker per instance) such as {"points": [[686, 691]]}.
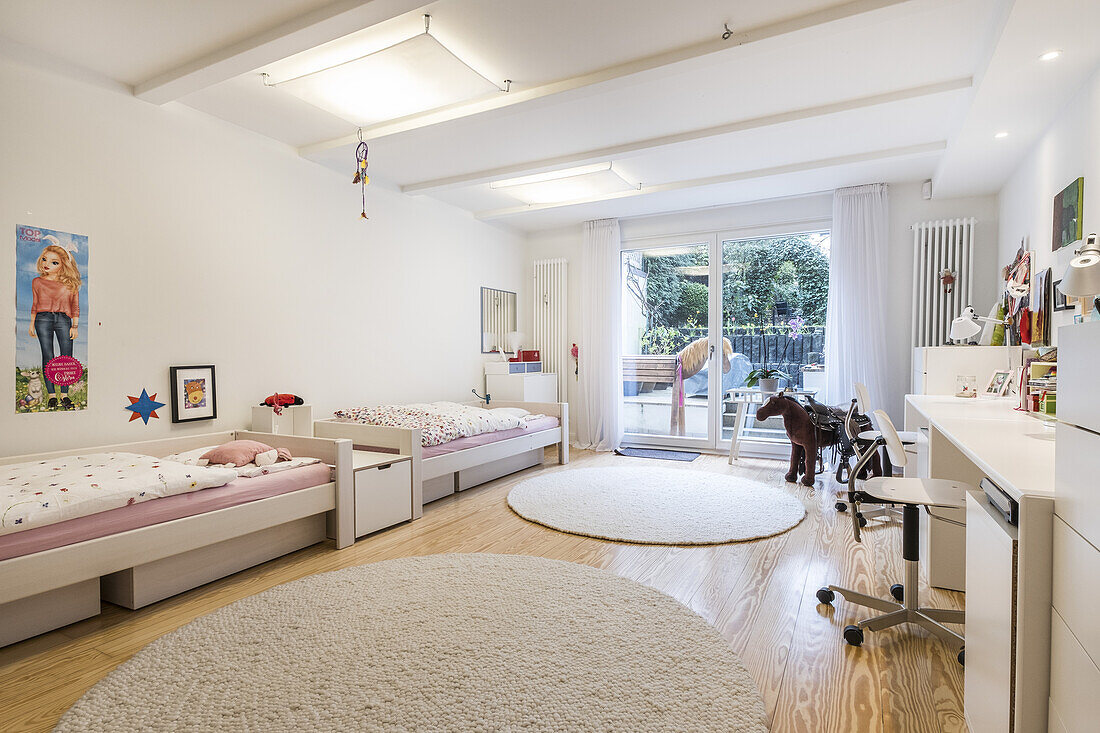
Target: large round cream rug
{"points": [[658, 506], [438, 643]]}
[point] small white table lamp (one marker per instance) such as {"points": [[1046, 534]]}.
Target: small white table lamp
{"points": [[965, 327], [1082, 279], [515, 340]]}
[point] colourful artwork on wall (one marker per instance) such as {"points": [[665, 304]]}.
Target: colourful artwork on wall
{"points": [[144, 406], [1068, 219], [194, 393], [51, 313]]}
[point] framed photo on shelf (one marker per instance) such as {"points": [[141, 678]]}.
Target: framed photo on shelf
{"points": [[999, 382], [194, 393]]}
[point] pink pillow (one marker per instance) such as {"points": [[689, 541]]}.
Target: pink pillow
{"points": [[240, 452]]}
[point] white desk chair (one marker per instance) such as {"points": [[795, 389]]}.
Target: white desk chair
{"points": [[862, 441], [863, 403], [911, 494]]}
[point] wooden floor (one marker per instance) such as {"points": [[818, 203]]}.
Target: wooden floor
{"points": [[759, 594]]}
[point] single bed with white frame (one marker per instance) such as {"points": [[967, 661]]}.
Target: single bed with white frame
{"points": [[441, 475], [59, 586]]}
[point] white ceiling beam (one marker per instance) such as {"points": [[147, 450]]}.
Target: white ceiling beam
{"points": [[311, 29], [615, 151], [902, 152], [518, 96]]}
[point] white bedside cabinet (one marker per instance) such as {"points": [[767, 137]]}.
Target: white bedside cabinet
{"points": [[520, 381], [383, 490], [295, 420]]}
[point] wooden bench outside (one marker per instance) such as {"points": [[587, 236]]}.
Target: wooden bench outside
{"points": [[648, 371]]}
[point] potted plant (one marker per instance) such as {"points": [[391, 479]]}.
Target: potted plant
{"points": [[768, 378]]}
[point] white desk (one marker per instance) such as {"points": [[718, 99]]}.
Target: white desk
{"points": [[1008, 567]]}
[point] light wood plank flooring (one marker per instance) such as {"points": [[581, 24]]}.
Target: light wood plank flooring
{"points": [[758, 594]]}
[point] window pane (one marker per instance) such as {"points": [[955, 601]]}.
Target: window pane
{"points": [[665, 312], [775, 291]]}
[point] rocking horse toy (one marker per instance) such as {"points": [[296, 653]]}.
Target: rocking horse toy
{"points": [[811, 429], [806, 438]]}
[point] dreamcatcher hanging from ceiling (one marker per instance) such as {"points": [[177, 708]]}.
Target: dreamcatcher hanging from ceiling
{"points": [[361, 176]]}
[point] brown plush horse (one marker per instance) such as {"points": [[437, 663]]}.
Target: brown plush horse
{"points": [[802, 432]]}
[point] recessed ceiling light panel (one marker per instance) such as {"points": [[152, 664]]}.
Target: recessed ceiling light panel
{"points": [[1000, 135], [409, 77], [1051, 55], [567, 184]]}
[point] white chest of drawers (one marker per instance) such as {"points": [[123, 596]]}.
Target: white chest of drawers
{"points": [[1075, 634], [520, 381]]}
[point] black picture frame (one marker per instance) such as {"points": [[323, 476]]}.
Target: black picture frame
{"points": [[177, 375], [1061, 303]]}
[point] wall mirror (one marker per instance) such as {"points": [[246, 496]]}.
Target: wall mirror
{"points": [[498, 319]]}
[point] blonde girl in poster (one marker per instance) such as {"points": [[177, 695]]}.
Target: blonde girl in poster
{"points": [[55, 310]]}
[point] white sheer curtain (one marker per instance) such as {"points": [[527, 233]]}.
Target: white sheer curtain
{"points": [[599, 419], [855, 325]]}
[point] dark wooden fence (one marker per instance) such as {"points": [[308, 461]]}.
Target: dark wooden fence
{"points": [[784, 353]]}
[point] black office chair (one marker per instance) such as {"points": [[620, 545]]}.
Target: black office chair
{"points": [[910, 494]]}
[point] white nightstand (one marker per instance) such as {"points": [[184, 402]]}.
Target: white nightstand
{"points": [[383, 490], [295, 420], [520, 381]]}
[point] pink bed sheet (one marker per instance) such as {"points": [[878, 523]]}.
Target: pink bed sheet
{"points": [[533, 426], [164, 509]]}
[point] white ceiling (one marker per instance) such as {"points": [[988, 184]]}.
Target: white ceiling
{"points": [[805, 96]]}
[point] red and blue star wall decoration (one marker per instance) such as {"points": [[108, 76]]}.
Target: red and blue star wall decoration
{"points": [[144, 407]]}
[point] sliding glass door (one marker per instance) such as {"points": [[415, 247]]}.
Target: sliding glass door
{"points": [[667, 347], [701, 316]]}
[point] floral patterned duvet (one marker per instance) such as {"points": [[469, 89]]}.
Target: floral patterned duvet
{"points": [[46, 492], [439, 422]]}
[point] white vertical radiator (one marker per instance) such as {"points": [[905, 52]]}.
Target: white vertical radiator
{"points": [[939, 247], [550, 322]]}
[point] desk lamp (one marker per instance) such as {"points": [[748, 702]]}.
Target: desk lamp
{"points": [[1082, 279], [966, 325]]}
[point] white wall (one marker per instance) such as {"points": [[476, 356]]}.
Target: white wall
{"points": [[1070, 148], [907, 207], [210, 244]]}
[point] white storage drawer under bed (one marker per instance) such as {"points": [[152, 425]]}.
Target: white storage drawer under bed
{"points": [[383, 496]]}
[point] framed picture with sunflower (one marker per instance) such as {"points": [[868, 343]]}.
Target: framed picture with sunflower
{"points": [[194, 393]]}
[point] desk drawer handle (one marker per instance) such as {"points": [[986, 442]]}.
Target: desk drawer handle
{"points": [[383, 468]]}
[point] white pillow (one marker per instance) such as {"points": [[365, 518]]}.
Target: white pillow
{"points": [[518, 412]]}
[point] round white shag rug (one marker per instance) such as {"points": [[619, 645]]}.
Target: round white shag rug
{"points": [[656, 506], [441, 643]]}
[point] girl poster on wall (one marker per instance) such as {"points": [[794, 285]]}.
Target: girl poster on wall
{"points": [[51, 337]]}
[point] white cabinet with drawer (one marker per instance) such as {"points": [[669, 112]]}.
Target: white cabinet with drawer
{"points": [[1075, 636], [522, 387], [383, 490]]}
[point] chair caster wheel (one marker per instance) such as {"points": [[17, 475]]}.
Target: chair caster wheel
{"points": [[862, 521], [853, 635], [960, 657], [897, 590], [824, 595], [841, 506]]}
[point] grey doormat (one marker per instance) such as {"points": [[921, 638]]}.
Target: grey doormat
{"points": [[665, 455]]}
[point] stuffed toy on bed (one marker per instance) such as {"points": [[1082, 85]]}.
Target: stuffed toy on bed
{"points": [[242, 452]]}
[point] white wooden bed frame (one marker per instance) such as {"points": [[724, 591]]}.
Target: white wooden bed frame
{"points": [[49, 589], [442, 475]]}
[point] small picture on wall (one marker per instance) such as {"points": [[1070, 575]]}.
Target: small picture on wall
{"points": [[1068, 221], [1061, 303], [194, 395]]}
